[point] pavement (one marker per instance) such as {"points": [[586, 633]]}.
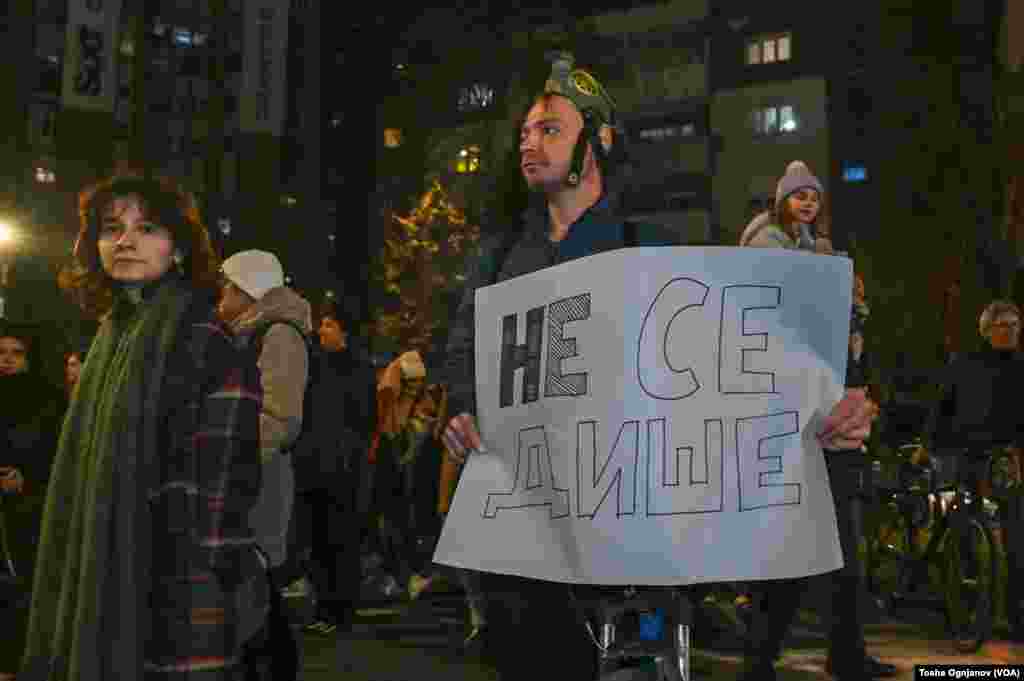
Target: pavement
{"points": [[420, 641]]}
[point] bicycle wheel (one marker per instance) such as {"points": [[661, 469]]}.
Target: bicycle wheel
{"points": [[969, 569]]}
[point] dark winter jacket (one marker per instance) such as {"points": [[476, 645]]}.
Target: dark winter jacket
{"points": [[979, 406], [342, 418], [601, 228], [30, 418], [159, 463]]}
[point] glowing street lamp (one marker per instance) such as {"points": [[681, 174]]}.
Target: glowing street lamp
{"points": [[8, 236], [7, 233]]}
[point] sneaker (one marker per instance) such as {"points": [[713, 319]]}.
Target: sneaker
{"points": [[473, 644], [320, 627], [418, 584], [297, 589], [389, 587]]}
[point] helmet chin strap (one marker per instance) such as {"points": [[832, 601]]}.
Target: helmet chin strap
{"points": [[589, 133]]}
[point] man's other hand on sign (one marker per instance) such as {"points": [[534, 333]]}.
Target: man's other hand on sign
{"points": [[847, 426]]}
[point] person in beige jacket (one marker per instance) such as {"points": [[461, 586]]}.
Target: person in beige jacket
{"points": [[255, 294]]}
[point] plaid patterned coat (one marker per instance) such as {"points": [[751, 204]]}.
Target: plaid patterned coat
{"points": [[208, 588], [147, 567]]}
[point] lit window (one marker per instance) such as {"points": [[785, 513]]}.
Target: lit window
{"points": [[854, 172], [769, 49], [392, 138], [787, 119], [468, 160], [773, 120], [45, 176], [662, 133], [475, 97], [183, 37], [782, 48], [289, 200], [754, 53]]}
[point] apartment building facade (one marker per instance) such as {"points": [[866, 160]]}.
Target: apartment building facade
{"points": [[225, 94]]}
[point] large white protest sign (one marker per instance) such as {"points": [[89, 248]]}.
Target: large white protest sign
{"points": [[650, 418]]}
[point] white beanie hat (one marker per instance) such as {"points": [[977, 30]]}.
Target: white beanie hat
{"points": [[255, 272]]}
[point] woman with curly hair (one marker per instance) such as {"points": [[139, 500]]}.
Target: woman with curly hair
{"points": [[146, 566]]}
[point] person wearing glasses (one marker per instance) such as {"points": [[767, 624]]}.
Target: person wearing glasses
{"points": [[978, 412]]}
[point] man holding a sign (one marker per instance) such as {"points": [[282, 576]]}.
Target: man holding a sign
{"points": [[628, 522]]}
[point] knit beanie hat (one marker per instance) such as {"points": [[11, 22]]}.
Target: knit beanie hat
{"points": [[797, 177], [255, 272]]}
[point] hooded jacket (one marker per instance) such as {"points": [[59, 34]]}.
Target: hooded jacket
{"points": [[283, 364], [284, 370]]}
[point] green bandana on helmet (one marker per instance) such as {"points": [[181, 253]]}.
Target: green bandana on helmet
{"points": [[581, 88]]}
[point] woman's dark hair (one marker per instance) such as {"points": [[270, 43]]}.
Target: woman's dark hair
{"points": [[164, 201]]}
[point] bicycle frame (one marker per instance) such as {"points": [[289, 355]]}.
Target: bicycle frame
{"points": [[965, 597], [671, 652]]}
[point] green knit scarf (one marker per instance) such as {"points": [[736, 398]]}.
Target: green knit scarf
{"points": [[90, 613]]}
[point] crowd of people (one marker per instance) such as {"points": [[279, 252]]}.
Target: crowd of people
{"points": [[205, 456], [223, 444]]}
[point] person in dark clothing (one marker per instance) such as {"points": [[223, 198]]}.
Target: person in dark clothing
{"points": [[566, 142], [978, 413], [30, 420], [978, 409], [575, 215], [328, 468]]}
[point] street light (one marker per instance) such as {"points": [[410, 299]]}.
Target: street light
{"points": [[7, 233], [8, 236]]}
